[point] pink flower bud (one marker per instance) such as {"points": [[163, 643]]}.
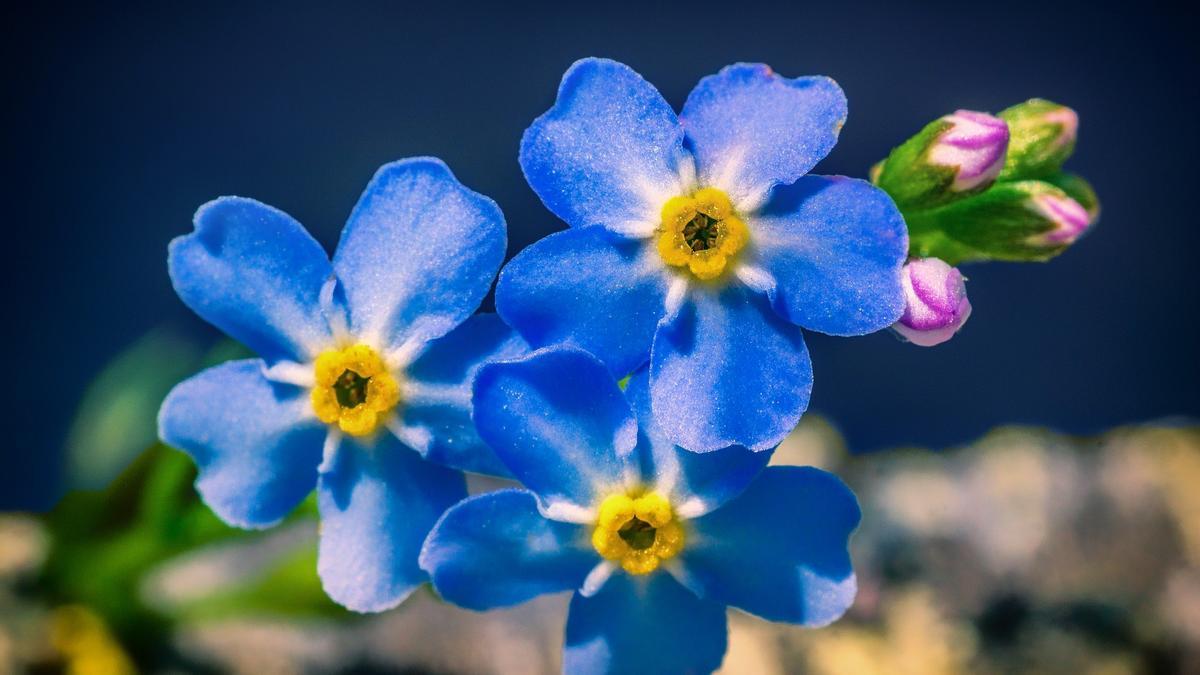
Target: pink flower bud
{"points": [[935, 302], [1069, 218], [975, 145]]}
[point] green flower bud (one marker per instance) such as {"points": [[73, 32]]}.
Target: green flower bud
{"points": [[1042, 136], [1018, 221]]}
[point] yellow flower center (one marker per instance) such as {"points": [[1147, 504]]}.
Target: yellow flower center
{"points": [[638, 532], [701, 232], [354, 389]]}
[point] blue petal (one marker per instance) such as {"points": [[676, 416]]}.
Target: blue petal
{"points": [[835, 247], [377, 505], [496, 550], [255, 442], [609, 150], [559, 422], [418, 254], [778, 550], [695, 483], [588, 288], [437, 401], [751, 129], [648, 625], [255, 273], [726, 370]]}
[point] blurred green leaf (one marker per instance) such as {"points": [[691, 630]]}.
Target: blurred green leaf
{"points": [[116, 418], [105, 544], [911, 180], [288, 587]]}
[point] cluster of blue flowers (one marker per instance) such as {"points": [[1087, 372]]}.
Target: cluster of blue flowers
{"points": [[643, 365]]}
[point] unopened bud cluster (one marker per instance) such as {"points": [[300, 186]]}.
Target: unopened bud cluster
{"points": [[978, 187]]}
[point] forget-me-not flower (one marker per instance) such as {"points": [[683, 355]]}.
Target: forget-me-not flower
{"points": [[655, 541], [366, 361], [698, 243]]}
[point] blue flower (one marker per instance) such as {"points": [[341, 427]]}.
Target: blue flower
{"points": [[698, 244], [654, 540], [364, 360]]}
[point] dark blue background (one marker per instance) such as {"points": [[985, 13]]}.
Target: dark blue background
{"points": [[119, 123]]}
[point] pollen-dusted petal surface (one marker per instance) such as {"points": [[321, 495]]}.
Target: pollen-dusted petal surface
{"points": [[496, 550], [588, 288], [696, 483], [378, 502], [608, 152], [726, 370], [559, 423], [835, 247], [751, 129], [779, 550], [254, 272], [255, 442], [438, 399], [644, 625], [418, 254]]}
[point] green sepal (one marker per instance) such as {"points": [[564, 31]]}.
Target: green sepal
{"points": [[1037, 146], [875, 171], [1000, 224], [911, 181]]}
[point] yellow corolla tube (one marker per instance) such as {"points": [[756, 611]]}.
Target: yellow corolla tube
{"points": [[638, 532], [701, 232], [354, 389]]}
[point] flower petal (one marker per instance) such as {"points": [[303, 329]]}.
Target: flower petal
{"points": [[496, 550], [560, 424], [751, 129], [254, 272], [588, 288], [726, 370], [609, 152], [437, 400], [778, 550], [695, 483], [644, 625], [835, 247], [418, 254], [377, 505], [255, 442]]}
